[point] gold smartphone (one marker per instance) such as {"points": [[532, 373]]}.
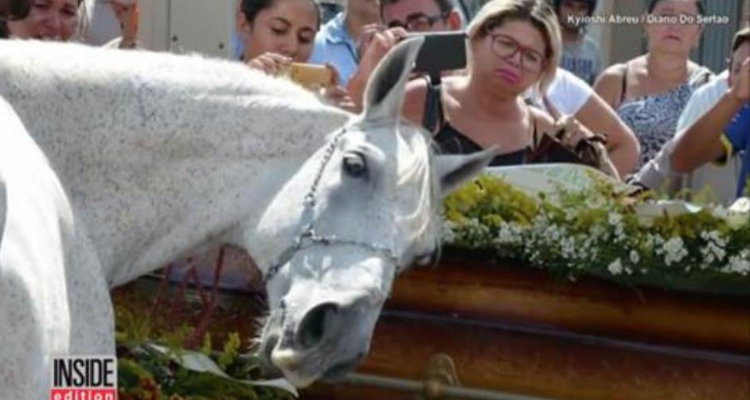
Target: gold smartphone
{"points": [[311, 76]]}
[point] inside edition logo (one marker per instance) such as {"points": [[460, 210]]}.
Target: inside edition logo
{"points": [[84, 378]]}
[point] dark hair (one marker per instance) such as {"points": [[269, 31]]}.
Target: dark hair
{"points": [[590, 3], [251, 8], [698, 3], [740, 38], [17, 9], [445, 6]]}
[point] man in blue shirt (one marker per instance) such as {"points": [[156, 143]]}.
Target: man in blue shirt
{"points": [[337, 42], [724, 130], [735, 140], [581, 54]]}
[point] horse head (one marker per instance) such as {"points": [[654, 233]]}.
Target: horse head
{"points": [[360, 210]]}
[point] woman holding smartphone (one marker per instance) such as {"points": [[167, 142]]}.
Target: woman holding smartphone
{"points": [[277, 33], [513, 45]]}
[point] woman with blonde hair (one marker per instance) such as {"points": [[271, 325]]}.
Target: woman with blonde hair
{"points": [[513, 45]]}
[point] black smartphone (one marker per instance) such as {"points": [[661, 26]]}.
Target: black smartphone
{"points": [[441, 51]]}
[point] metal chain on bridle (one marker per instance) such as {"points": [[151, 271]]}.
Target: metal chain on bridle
{"points": [[308, 237]]}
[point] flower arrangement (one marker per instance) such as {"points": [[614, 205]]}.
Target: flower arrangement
{"points": [[604, 232], [154, 363]]}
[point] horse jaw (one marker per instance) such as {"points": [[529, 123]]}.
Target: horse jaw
{"points": [[322, 327], [325, 301]]}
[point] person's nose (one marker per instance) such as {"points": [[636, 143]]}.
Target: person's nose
{"points": [[516, 59], [51, 25], [288, 47]]}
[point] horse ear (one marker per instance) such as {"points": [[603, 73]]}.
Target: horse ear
{"points": [[384, 94], [454, 170]]}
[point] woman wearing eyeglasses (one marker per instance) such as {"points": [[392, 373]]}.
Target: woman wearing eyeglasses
{"points": [[513, 45]]}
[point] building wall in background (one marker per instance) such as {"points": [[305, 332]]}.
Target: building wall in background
{"points": [[620, 43], [206, 26], [179, 26]]}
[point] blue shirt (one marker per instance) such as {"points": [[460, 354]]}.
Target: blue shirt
{"points": [[737, 133], [334, 46]]}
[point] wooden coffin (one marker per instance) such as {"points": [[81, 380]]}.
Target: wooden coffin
{"points": [[516, 330]]}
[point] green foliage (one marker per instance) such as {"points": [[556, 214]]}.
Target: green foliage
{"points": [[229, 354], [147, 374], [604, 233]]}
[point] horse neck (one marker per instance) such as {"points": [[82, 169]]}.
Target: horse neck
{"points": [[154, 171]]}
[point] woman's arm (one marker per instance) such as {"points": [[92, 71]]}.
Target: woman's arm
{"points": [[127, 12], [575, 131], [609, 85], [622, 145], [701, 142], [374, 48]]}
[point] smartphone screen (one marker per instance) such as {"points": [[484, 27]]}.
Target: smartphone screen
{"points": [[441, 51]]}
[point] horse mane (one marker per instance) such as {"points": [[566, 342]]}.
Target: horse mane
{"points": [[419, 162], [120, 92], [92, 65]]}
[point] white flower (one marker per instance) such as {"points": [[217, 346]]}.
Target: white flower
{"points": [[714, 250], [737, 220], [674, 250], [614, 219], [634, 257], [719, 212], [739, 264], [509, 234], [615, 268], [448, 233]]}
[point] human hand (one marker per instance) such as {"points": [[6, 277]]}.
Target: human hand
{"points": [[570, 132], [339, 97], [589, 146], [270, 63], [368, 33], [127, 14], [377, 44]]}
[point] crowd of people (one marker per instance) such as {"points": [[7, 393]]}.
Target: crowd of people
{"points": [[532, 72]]}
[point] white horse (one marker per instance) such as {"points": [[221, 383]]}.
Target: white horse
{"points": [[147, 157]]}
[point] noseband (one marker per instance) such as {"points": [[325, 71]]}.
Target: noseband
{"points": [[308, 237]]}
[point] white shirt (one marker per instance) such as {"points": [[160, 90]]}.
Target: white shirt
{"points": [[567, 93], [720, 180], [100, 24]]}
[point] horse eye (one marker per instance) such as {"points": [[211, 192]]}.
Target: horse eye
{"points": [[427, 259], [355, 165]]}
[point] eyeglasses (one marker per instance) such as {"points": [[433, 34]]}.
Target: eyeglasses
{"points": [[506, 48], [418, 22]]}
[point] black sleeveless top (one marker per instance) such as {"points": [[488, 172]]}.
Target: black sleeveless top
{"points": [[450, 141]]}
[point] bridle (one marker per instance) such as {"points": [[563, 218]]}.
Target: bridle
{"points": [[308, 237]]}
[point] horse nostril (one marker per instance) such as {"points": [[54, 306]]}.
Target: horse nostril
{"points": [[313, 326]]}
